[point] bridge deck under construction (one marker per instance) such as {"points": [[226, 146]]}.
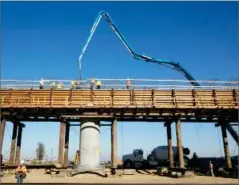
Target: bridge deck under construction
{"points": [[127, 105]]}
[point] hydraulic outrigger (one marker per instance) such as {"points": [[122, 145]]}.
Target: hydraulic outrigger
{"points": [[173, 65]]}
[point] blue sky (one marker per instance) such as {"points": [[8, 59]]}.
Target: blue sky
{"points": [[44, 39]]}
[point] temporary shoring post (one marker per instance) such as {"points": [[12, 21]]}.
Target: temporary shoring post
{"points": [[226, 147], [2, 130], [19, 142], [179, 142], [61, 142], [114, 145], [13, 144], [66, 153], [170, 146]]}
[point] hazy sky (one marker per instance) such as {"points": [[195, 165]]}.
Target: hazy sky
{"points": [[44, 39]]}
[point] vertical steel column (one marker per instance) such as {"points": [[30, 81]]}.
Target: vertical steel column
{"points": [[179, 142], [114, 145], [170, 145], [13, 144], [19, 142], [61, 143], [66, 153], [226, 147], [2, 131]]}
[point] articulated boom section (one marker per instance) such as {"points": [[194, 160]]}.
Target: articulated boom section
{"points": [[170, 64]]}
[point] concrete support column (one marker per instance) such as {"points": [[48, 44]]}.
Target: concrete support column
{"points": [[170, 145], [179, 142], [61, 143], [89, 145], [114, 145], [19, 142], [66, 153], [2, 131], [13, 144], [226, 147]]}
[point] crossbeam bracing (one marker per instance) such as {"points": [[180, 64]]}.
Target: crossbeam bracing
{"points": [[162, 84]]}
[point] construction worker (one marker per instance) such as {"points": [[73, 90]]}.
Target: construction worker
{"points": [[128, 83], [21, 172], [98, 84], [211, 169], [92, 84], [60, 85], [53, 85], [41, 83], [73, 83]]}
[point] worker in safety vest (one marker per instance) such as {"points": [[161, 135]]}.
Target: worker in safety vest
{"points": [[21, 172], [53, 85], [41, 83], [92, 84], [98, 84], [73, 83], [60, 85], [128, 83], [211, 169]]}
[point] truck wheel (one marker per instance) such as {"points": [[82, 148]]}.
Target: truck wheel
{"points": [[128, 164]]}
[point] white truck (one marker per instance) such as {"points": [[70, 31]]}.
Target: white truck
{"points": [[157, 158]]}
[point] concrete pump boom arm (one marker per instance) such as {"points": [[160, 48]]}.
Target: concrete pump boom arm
{"points": [[170, 64]]}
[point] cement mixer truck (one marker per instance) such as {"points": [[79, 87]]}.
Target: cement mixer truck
{"points": [[157, 158]]}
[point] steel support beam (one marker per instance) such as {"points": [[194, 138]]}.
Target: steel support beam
{"points": [[61, 143], [179, 142], [114, 146], [13, 144], [226, 147], [66, 153], [170, 145], [2, 131], [19, 143]]}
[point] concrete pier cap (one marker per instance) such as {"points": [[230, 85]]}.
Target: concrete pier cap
{"points": [[90, 146]]}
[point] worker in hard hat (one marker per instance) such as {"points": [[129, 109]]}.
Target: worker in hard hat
{"points": [[60, 85], [41, 83], [211, 169], [92, 84], [53, 85], [127, 83], [98, 84], [73, 84], [21, 172]]}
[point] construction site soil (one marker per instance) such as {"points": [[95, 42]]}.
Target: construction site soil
{"points": [[38, 176]]}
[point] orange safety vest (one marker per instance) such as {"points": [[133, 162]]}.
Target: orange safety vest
{"points": [[21, 169]]}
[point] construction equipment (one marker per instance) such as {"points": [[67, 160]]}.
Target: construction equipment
{"points": [[158, 157], [173, 65], [170, 64]]}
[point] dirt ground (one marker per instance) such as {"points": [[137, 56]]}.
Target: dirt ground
{"points": [[38, 176]]}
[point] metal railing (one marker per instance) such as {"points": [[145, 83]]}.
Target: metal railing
{"points": [[121, 84]]}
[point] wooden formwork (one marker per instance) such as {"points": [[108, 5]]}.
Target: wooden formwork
{"points": [[193, 99]]}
